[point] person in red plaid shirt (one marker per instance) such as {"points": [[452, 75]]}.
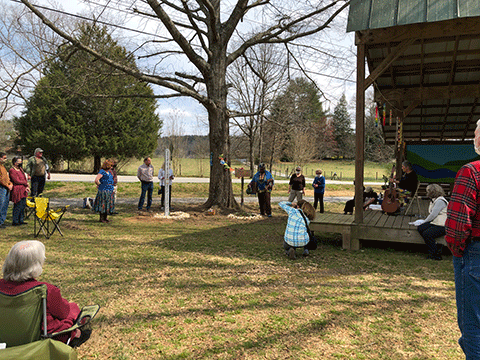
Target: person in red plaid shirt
{"points": [[463, 238]]}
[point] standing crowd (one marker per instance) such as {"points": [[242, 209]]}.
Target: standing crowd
{"points": [[14, 185]]}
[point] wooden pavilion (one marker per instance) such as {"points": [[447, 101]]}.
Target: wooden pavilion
{"points": [[423, 59]]}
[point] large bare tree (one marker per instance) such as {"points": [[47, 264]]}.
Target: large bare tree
{"points": [[200, 36], [256, 79]]}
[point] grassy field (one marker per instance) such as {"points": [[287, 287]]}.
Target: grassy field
{"points": [[344, 169], [214, 287]]}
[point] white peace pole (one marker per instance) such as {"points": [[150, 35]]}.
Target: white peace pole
{"points": [[166, 182]]}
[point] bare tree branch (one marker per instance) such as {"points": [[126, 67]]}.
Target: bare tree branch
{"points": [[135, 73], [273, 34]]}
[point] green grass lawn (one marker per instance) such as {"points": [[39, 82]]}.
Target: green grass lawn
{"points": [[212, 287]]}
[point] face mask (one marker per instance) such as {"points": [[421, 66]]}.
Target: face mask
{"points": [[20, 165], [298, 172], [318, 175]]}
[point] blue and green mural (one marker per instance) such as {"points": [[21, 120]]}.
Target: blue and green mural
{"points": [[439, 163]]}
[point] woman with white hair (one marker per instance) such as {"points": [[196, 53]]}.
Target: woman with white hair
{"points": [[434, 225], [23, 264]]}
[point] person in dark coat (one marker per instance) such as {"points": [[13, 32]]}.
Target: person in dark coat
{"points": [[20, 190]]}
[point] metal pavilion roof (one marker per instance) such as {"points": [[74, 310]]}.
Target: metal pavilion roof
{"points": [[424, 62], [375, 14]]}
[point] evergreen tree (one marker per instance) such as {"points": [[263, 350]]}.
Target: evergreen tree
{"points": [[343, 131], [82, 107], [300, 120]]}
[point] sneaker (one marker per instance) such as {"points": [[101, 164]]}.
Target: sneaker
{"points": [[85, 333], [305, 253], [291, 254], [269, 215]]}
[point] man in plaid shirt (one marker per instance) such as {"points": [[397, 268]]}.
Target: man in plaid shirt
{"points": [[463, 238], [296, 234]]}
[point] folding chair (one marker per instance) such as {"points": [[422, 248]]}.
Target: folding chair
{"points": [[47, 220], [20, 328], [30, 208], [413, 199]]}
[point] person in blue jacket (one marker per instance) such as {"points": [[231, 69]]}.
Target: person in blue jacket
{"points": [[263, 182], [318, 190]]}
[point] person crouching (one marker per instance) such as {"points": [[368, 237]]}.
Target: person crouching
{"points": [[296, 234]]}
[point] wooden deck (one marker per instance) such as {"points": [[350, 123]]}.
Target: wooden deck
{"points": [[376, 226]]}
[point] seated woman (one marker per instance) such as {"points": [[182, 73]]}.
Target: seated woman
{"points": [[409, 180], [296, 234], [434, 225], [22, 265], [369, 197]]}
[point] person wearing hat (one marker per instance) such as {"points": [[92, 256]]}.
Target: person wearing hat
{"points": [[296, 186], [37, 168], [263, 182], [318, 190]]}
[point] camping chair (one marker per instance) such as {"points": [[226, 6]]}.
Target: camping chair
{"points": [[30, 208], [47, 219], [20, 327], [413, 199]]}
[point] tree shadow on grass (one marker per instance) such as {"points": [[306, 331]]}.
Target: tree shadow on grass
{"points": [[239, 271]]}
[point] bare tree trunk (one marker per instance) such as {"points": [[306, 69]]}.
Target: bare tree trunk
{"points": [[260, 142], [272, 153], [97, 163], [220, 190], [252, 157]]}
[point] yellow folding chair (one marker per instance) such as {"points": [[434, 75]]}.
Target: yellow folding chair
{"points": [[47, 220], [30, 208]]}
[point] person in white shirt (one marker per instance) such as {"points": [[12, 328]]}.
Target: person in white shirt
{"points": [[434, 225], [163, 182], [145, 175]]}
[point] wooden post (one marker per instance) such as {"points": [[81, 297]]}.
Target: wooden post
{"points": [[241, 198], [360, 133], [242, 173]]}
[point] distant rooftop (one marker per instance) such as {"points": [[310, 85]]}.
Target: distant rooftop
{"points": [[375, 14]]}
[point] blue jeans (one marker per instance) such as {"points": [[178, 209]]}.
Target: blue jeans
{"points": [[18, 212], [4, 199], [467, 291], [147, 187], [429, 233]]}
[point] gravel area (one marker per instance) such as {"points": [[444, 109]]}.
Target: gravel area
{"points": [[249, 199]]}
